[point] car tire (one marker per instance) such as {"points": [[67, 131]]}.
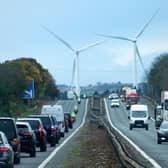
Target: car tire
{"points": [[11, 166], [17, 159], [131, 127], [146, 127], [43, 146], [62, 134], [33, 152], [159, 141], [53, 142]]}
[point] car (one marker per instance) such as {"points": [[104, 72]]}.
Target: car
{"points": [[57, 111], [67, 116], [56, 126], [139, 116], [115, 103], [113, 96], [27, 138], [162, 133], [6, 152], [6, 124], [41, 135], [52, 135]]}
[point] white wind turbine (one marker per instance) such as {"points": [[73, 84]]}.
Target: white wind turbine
{"points": [[75, 70], [136, 50]]}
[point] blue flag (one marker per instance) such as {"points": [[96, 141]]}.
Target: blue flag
{"points": [[29, 92]]}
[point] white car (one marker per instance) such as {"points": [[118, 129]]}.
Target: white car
{"points": [[115, 103]]}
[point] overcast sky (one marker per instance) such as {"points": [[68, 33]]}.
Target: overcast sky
{"points": [[78, 22]]}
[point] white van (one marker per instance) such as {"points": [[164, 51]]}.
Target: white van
{"points": [[57, 111], [139, 116]]}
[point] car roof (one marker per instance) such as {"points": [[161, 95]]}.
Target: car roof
{"points": [[7, 118], [37, 119], [139, 107]]}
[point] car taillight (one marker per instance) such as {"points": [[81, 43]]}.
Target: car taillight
{"points": [[28, 134], [41, 131], [4, 149], [53, 128], [16, 141]]}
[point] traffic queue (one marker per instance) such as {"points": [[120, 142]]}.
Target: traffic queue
{"points": [[28, 133]]}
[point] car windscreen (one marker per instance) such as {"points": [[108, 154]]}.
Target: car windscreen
{"points": [[115, 100], [33, 123], [139, 114], [59, 116], [7, 126], [46, 122], [22, 128], [164, 125]]}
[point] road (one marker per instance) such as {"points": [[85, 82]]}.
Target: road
{"points": [[146, 140], [28, 162]]}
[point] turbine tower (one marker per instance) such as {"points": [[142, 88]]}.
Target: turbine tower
{"points": [[75, 73], [136, 50]]}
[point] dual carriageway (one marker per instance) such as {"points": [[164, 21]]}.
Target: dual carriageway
{"points": [[142, 140]]}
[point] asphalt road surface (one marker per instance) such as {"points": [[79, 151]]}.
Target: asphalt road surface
{"points": [[27, 162], [146, 140]]}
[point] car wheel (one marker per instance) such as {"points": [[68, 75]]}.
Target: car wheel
{"points": [[62, 134], [158, 141], [147, 127], [17, 159], [130, 127], [43, 146], [33, 152], [53, 142]]}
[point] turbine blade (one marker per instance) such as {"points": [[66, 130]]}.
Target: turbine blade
{"points": [[146, 25], [116, 37], [58, 38], [90, 46], [73, 72], [140, 59]]}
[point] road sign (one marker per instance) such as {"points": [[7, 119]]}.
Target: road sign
{"points": [[29, 92]]}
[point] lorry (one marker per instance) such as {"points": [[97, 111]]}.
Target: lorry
{"points": [[161, 112], [131, 98]]}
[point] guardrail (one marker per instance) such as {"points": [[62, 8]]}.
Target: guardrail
{"points": [[128, 154]]}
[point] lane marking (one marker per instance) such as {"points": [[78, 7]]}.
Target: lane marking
{"points": [[45, 162], [152, 161]]}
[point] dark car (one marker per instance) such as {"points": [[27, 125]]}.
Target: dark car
{"points": [[162, 133], [56, 126], [52, 135], [8, 126], [6, 152], [27, 138], [68, 117], [37, 126]]}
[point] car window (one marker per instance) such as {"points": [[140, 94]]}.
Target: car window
{"points": [[22, 128], [33, 123], [164, 125], [138, 114], [1, 140], [5, 126], [46, 121]]}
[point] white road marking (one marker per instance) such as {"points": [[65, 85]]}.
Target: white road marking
{"points": [[152, 161], [45, 162]]}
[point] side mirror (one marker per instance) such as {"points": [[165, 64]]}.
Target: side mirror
{"points": [[129, 117], [149, 117]]}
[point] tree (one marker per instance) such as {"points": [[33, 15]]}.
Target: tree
{"points": [[157, 77]]}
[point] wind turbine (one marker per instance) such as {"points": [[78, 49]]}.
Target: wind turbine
{"points": [[77, 52], [136, 50]]}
